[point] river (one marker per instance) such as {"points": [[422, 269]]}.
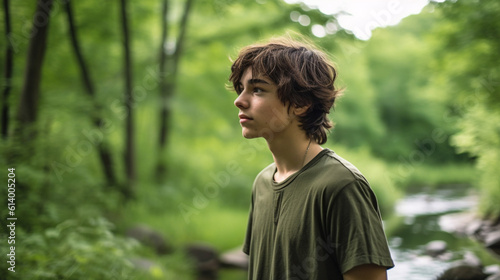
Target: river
{"points": [[417, 220]]}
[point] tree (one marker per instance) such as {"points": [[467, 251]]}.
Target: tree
{"points": [[469, 60], [129, 154], [104, 152], [169, 65], [30, 92], [9, 65]]}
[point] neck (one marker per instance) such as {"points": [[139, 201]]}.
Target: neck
{"points": [[291, 154]]}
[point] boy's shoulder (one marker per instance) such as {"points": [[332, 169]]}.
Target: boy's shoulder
{"points": [[333, 173], [267, 172], [327, 167], [340, 166]]}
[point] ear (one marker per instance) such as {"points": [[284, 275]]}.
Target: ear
{"points": [[299, 111]]}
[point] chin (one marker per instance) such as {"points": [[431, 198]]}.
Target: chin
{"points": [[248, 134]]}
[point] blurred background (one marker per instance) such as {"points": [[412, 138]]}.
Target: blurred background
{"points": [[128, 155]]}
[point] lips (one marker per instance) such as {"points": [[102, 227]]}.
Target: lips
{"points": [[244, 118]]}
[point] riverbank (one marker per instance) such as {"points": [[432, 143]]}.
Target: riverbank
{"points": [[419, 219], [486, 232], [469, 224]]}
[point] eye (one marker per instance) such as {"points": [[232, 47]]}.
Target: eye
{"points": [[257, 90]]}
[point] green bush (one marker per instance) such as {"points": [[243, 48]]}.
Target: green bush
{"points": [[73, 250], [483, 142]]}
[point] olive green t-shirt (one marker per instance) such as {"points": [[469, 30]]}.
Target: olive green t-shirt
{"points": [[317, 224]]}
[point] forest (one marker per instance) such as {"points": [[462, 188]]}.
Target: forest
{"points": [[121, 151]]}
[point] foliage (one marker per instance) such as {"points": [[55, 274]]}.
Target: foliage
{"points": [[437, 175], [394, 123], [468, 57], [483, 141], [73, 250], [392, 103]]}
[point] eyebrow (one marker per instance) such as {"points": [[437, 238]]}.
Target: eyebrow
{"points": [[258, 81]]}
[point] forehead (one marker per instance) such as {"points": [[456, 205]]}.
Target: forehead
{"points": [[249, 76]]}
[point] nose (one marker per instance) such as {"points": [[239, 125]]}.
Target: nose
{"points": [[241, 101]]}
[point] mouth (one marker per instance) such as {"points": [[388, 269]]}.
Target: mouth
{"points": [[244, 118]]}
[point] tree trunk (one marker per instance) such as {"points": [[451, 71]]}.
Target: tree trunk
{"points": [[28, 103], [168, 85], [129, 124], [9, 65], [163, 90], [23, 146], [182, 34], [104, 153]]}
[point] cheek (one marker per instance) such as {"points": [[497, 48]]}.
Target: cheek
{"points": [[272, 114], [278, 120]]}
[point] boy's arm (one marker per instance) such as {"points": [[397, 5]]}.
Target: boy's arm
{"points": [[366, 272]]}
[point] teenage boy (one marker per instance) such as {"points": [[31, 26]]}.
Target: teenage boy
{"points": [[313, 214]]}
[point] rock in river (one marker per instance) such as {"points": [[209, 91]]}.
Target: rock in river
{"points": [[492, 241], [435, 248], [463, 272]]}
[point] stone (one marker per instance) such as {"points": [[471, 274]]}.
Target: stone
{"points": [[487, 227], [469, 259], [492, 239], [494, 277], [458, 223], [206, 261], [435, 248], [234, 258], [473, 228], [492, 242], [149, 237], [480, 234], [492, 269], [463, 272]]}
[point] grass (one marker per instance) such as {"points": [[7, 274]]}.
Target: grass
{"points": [[222, 227], [435, 175], [217, 225], [232, 274]]}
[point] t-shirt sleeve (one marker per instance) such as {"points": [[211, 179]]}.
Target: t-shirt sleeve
{"points": [[356, 228], [248, 236]]}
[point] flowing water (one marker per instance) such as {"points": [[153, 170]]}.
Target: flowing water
{"points": [[418, 220]]}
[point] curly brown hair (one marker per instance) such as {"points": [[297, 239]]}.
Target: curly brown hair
{"points": [[303, 74]]}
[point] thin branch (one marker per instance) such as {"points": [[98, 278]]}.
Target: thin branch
{"points": [[87, 82], [129, 124], [9, 67], [182, 34], [163, 62]]}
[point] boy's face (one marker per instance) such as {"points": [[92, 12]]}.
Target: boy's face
{"points": [[261, 112]]}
